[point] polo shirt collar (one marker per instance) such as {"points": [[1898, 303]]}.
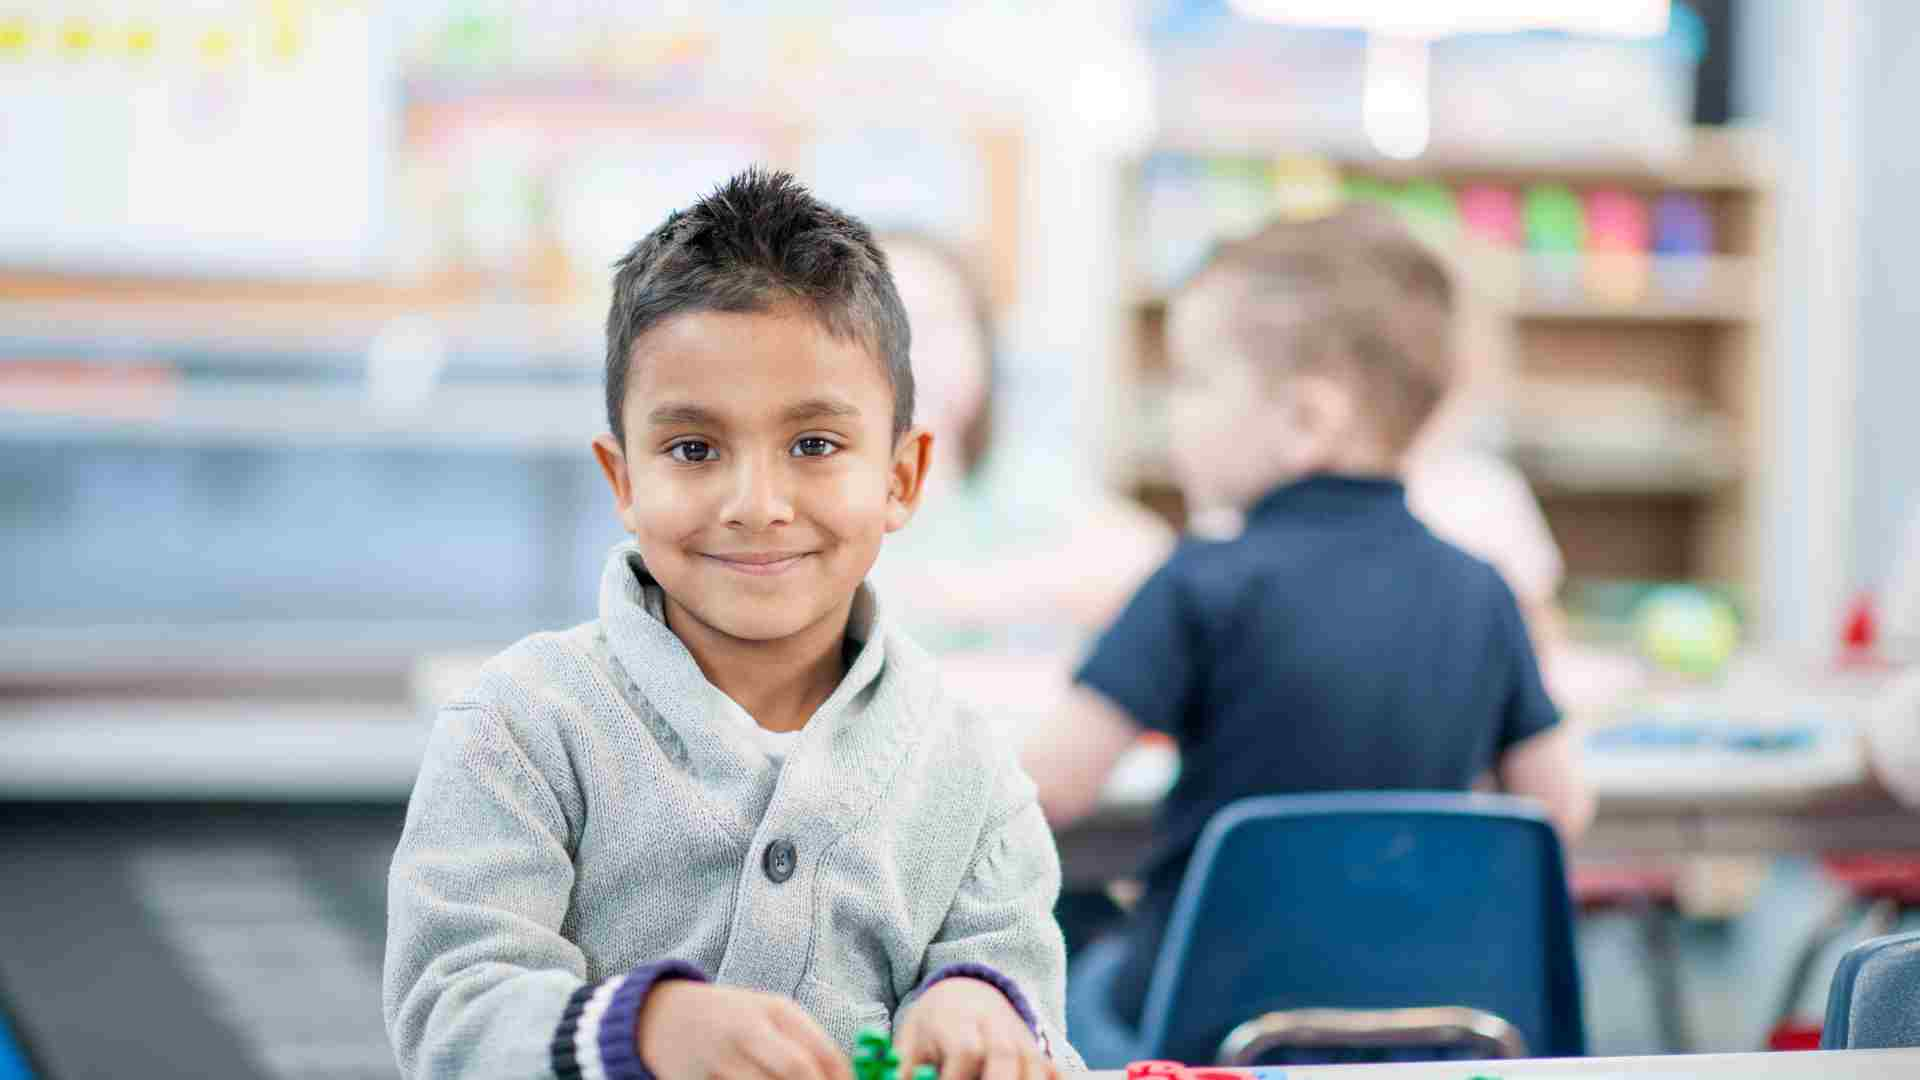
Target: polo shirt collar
{"points": [[1330, 496]]}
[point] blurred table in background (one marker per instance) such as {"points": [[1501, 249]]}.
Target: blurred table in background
{"points": [[118, 749], [1768, 760]]}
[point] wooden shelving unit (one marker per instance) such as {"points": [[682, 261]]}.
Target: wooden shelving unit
{"points": [[1630, 388], [220, 361]]}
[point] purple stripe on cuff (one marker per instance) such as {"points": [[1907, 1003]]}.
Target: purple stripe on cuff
{"points": [[619, 1027], [1006, 986]]}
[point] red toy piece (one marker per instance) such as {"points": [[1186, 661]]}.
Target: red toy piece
{"points": [[1792, 1035], [1860, 637], [1173, 1070], [1862, 632]]}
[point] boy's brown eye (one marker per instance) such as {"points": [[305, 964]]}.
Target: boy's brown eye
{"points": [[693, 451], [813, 446]]}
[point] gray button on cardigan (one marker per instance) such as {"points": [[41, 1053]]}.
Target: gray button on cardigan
{"points": [[586, 809]]}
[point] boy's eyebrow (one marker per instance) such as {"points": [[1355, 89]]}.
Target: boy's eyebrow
{"points": [[820, 408], [682, 414]]}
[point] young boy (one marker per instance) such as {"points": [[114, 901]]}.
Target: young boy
{"points": [[736, 819], [1335, 643]]}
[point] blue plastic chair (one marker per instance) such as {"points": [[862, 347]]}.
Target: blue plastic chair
{"points": [[1383, 905], [13, 1054], [1874, 1003]]}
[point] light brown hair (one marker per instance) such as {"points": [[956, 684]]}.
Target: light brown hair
{"points": [[1353, 295]]}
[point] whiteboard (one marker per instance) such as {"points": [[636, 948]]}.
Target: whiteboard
{"points": [[222, 138]]}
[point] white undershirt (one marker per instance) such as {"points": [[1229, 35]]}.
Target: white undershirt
{"points": [[774, 744]]}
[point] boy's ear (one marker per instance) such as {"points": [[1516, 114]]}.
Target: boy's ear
{"points": [[1324, 405], [613, 462], [1319, 409], [906, 480]]}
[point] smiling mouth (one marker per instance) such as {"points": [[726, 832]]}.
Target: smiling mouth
{"points": [[760, 564]]}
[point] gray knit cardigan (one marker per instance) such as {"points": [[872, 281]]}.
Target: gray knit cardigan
{"points": [[587, 821]]}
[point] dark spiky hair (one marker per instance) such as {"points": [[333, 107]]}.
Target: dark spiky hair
{"points": [[758, 241]]}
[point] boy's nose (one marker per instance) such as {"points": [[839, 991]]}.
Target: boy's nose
{"points": [[760, 498]]}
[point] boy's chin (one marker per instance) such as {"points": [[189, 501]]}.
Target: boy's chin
{"points": [[754, 622]]}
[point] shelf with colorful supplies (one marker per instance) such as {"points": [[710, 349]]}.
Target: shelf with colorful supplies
{"points": [[1629, 297]]}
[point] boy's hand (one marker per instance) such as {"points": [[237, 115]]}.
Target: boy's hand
{"points": [[968, 1029], [698, 1031]]}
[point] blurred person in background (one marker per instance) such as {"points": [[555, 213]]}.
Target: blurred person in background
{"points": [[1478, 502], [1336, 643], [990, 548]]}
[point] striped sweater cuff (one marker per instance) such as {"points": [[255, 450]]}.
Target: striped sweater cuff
{"points": [[1006, 986], [597, 1036]]}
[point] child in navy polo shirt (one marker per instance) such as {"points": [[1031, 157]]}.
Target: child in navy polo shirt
{"points": [[1335, 644]]}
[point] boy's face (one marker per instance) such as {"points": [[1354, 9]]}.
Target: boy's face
{"points": [[760, 470]]}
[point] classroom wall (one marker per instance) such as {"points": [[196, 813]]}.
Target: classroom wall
{"points": [[1800, 77], [1838, 82], [1887, 438]]}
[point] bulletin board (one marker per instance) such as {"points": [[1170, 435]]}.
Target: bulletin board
{"points": [[241, 138]]}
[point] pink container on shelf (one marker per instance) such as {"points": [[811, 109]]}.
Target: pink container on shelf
{"points": [[1618, 231], [1617, 221], [1492, 213]]}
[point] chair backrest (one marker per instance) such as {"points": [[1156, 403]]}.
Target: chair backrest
{"points": [[1369, 901], [15, 1061], [1874, 1003]]}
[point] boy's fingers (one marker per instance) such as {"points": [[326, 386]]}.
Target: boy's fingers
{"points": [[909, 1050], [1049, 1068], [813, 1042], [1003, 1063], [1041, 1067], [1025, 1067], [962, 1058], [833, 1064], [917, 1047], [1029, 1066], [780, 1059]]}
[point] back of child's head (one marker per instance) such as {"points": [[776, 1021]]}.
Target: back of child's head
{"points": [[1352, 296], [760, 241]]}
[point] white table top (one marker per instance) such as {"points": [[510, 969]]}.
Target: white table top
{"points": [[1814, 1065], [1756, 695], [77, 746]]}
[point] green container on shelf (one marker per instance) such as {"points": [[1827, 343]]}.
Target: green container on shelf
{"points": [[1555, 220], [1430, 210], [1360, 189]]}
